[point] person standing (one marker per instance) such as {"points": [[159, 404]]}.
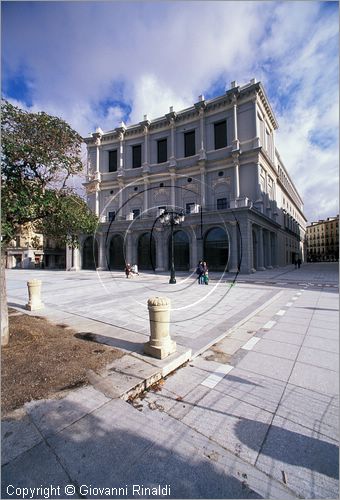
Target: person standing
{"points": [[199, 272], [128, 270], [205, 278]]}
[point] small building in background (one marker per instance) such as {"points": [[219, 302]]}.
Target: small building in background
{"points": [[31, 250], [322, 240]]}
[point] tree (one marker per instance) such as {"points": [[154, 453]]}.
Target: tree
{"points": [[40, 153]]}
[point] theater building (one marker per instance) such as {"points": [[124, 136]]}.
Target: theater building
{"points": [[216, 162]]}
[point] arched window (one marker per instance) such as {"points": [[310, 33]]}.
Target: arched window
{"points": [[216, 249]]}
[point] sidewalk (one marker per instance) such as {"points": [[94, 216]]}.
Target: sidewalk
{"points": [[289, 374]]}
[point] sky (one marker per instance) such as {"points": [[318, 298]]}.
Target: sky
{"points": [[96, 63]]}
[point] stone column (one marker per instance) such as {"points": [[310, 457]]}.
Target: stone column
{"points": [[200, 106], [160, 247], [193, 250], [128, 241], [260, 250], [236, 175], [160, 344], [76, 259], [236, 144], [122, 210], [268, 262], [146, 194], [233, 262], [247, 247], [145, 124], [68, 258], [203, 189], [172, 187], [171, 117], [101, 252]]}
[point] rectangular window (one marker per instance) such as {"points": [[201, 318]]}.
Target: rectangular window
{"points": [[137, 156], [113, 160], [189, 208], [162, 151], [136, 213], [222, 203], [111, 216], [189, 143], [220, 130]]}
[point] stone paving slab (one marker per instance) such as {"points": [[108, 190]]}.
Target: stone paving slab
{"points": [[315, 378], [37, 467], [281, 350], [53, 415], [18, 434], [264, 364], [309, 460], [314, 410], [219, 417], [328, 360]]}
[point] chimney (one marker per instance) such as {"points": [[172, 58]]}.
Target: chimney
{"points": [[252, 81], [201, 98], [233, 84]]}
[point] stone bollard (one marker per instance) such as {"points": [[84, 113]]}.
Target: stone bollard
{"points": [[160, 344], [34, 300]]}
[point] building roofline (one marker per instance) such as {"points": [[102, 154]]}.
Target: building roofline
{"points": [[237, 91]]}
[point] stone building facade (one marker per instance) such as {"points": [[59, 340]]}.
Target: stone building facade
{"points": [[215, 161], [322, 240], [31, 250]]}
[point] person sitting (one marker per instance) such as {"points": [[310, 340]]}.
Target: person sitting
{"points": [[134, 269]]}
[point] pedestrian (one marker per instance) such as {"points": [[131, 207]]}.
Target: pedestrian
{"points": [[205, 278], [299, 263], [134, 269], [296, 262], [199, 272], [128, 270]]}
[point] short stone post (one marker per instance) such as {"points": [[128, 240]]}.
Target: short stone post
{"points": [[160, 344], [34, 291]]}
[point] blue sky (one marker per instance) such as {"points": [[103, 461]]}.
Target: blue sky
{"points": [[97, 63]]}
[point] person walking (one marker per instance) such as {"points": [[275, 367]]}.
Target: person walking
{"points": [[199, 272], [299, 263], [128, 271], [205, 277]]}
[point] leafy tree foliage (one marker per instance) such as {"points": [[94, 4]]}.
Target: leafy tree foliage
{"points": [[39, 154]]}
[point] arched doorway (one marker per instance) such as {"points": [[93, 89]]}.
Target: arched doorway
{"points": [[116, 252], [146, 252], [216, 249], [90, 253], [181, 251]]}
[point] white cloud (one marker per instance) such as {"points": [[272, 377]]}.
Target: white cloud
{"points": [[80, 55]]}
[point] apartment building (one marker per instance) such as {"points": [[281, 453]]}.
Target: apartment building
{"points": [[322, 240]]}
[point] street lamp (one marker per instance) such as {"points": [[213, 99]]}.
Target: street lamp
{"points": [[172, 218]]}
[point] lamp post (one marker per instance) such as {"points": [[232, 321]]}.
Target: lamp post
{"points": [[172, 218]]}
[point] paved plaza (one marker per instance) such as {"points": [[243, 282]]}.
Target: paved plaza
{"points": [[253, 413]]}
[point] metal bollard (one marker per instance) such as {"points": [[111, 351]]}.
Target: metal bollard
{"points": [[34, 295], [160, 344]]}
